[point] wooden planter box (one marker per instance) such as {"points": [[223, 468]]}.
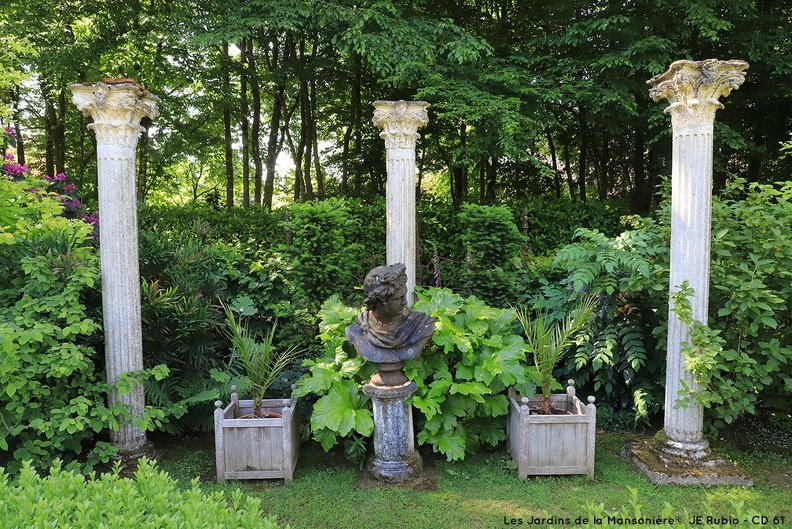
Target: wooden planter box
{"points": [[256, 448], [552, 444]]}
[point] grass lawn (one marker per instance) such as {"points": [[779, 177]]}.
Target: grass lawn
{"points": [[484, 492]]}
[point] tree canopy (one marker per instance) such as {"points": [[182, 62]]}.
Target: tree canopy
{"points": [[527, 97]]}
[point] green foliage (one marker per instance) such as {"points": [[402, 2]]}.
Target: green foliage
{"points": [[552, 223], [13, 49], [547, 339], [342, 409], [742, 360], [261, 361], [674, 517], [494, 247], [324, 249], [618, 358], [750, 293], [461, 377], [182, 278], [151, 500], [53, 398]]}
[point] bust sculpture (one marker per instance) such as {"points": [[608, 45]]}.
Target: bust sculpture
{"points": [[387, 333]]}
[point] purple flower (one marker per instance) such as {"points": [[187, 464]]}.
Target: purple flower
{"points": [[15, 170], [10, 131], [69, 188]]}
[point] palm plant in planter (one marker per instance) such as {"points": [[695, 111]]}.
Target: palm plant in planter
{"points": [[548, 339], [552, 434], [256, 438]]}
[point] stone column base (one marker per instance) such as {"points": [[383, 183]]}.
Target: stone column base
{"points": [[395, 459], [665, 463]]}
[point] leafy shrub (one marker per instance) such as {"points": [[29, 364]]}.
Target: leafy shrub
{"points": [[475, 354], [342, 409], [494, 248], [53, 398], [325, 251], [552, 223], [441, 252], [151, 500], [744, 358], [182, 279], [461, 377], [254, 227], [618, 358]]}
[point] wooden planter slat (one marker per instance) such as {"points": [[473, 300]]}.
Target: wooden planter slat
{"points": [[265, 448], [552, 444]]}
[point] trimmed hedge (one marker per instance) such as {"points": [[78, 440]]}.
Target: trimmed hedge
{"points": [[151, 500]]}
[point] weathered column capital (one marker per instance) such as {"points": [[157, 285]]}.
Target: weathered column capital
{"points": [[116, 108], [399, 121], [693, 89]]}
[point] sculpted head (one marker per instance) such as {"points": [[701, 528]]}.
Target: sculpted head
{"points": [[384, 283]]}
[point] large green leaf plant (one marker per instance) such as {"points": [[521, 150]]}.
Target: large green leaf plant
{"points": [[462, 375]]}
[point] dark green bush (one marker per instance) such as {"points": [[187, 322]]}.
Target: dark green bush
{"points": [[183, 278], [618, 359], [493, 246], [151, 500], [742, 360], [552, 222]]}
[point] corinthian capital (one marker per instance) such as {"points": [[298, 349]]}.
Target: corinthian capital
{"points": [[399, 121], [116, 108], [693, 89]]}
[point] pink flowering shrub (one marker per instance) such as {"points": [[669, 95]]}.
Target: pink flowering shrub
{"points": [[64, 191]]}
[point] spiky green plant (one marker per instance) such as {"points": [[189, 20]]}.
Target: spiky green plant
{"points": [[260, 360], [547, 338]]}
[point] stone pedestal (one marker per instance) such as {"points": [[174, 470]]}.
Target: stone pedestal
{"points": [[399, 121], [693, 89], [395, 459], [117, 108]]}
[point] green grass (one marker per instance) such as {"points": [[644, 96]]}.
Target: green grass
{"points": [[484, 491]]}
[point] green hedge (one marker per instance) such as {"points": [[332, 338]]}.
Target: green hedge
{"points": [[151, 500]]}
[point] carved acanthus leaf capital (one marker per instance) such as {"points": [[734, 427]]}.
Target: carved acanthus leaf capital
{"points": [[399, 121], [693, 88], [116, 109]]}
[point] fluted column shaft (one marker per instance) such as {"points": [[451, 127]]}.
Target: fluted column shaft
{"points": [[693, 89], [399, 121], [116, 110]]}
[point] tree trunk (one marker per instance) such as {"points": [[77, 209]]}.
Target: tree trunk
{"points": [[229, 152], [583, 159], [640, 194], [244, 123], [255, 129], [554, 161], [142, 166], [49, 135], [20, 143], [568, 168], [315, 144], [459, 179], [304, 146]]}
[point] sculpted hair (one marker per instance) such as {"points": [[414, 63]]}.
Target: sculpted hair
{"points": [[382, 282]]}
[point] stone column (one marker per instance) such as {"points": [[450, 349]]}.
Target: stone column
{"points": [[693, 89], [117, 108], [399, 121], [395, 459]]}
